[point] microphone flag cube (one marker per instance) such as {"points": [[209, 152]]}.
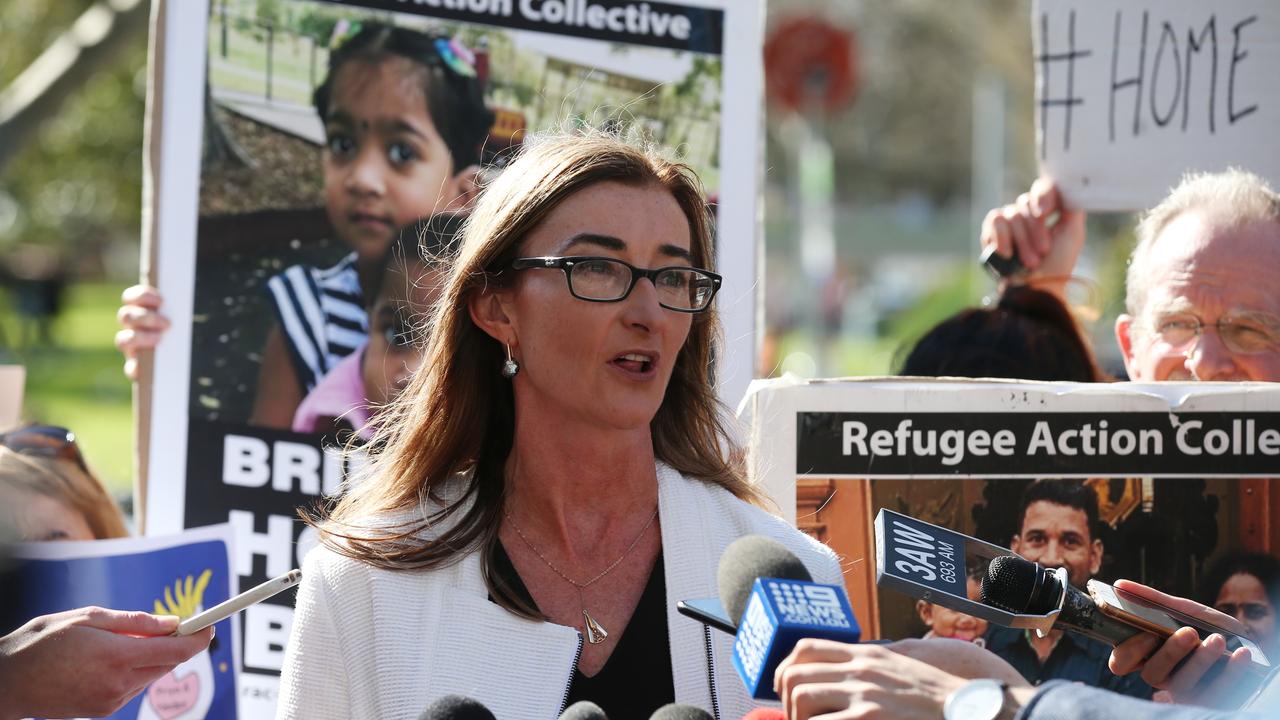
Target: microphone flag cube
{"points": [[779, 614]]}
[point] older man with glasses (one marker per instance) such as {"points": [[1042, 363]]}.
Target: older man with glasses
{"points": [[1200, 302]]}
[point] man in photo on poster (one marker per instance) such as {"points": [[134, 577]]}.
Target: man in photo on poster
{"points": [[1058, 527]]}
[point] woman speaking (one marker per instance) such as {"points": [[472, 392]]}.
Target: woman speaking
{"points": [[555, 476]]}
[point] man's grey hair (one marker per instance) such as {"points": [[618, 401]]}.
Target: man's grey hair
{"points": [[1233, 197]]}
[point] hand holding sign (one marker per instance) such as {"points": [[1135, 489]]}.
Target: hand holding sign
{"points": [[1041, 231], [1132, 94]]}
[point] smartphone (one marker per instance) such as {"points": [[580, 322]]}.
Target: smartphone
{"points": [[1000, 267], [226, 609], [708, 611], [1162, 621]]}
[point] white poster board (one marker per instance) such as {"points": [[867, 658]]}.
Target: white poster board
{"points": [[688, 71], [1180, 472], [894, 428], [12, 379], [1132, 94]]}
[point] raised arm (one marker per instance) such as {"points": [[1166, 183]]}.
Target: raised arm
{"points": [[1045, 233]]}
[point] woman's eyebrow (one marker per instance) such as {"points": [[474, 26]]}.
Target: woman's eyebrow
{"points": [[609, 242], [676, 251]]}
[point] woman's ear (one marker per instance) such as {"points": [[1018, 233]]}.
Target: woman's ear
{"points": [[488, 310], [465, 190]]}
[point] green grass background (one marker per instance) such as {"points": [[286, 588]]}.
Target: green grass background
{"points": [[78, 382]]}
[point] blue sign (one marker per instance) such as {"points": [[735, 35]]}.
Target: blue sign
{"points": [[177, 575]]}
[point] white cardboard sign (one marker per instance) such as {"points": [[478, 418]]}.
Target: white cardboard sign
{"points": [[916, 428], [1132, 94]]}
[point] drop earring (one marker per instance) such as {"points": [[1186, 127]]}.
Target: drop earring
{"points": [[510, 367]]}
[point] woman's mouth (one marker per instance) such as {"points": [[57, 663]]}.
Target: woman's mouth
{"points": [[636, 363]]}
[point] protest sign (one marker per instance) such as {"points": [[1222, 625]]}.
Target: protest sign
{"points": [[12, 378], [1132, 95], [179, 575], [959, 454], [257, 274]]}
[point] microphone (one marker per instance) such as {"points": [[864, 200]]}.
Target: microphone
{"points": [[1023, 587], [776, 603], [583, 710], [456, 707], [676, 711]]}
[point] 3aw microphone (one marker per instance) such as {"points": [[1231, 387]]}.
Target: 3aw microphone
{"points": [[1024, 587], [1104, 613], [773, 598]]}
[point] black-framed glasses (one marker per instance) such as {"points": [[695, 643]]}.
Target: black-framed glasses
{"points": [[49, 441], [603, 279], [1245, 334]]}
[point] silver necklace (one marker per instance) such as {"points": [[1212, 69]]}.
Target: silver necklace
{"points": [[595, 633]]}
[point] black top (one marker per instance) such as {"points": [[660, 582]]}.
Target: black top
{"points": [[636, 680], [1074, 657]]}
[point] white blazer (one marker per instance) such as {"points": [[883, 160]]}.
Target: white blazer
{"points": [[371, 643]]}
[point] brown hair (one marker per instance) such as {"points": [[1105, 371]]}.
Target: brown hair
{"points": [[67, 483], [1029, 335], [453, 427]]}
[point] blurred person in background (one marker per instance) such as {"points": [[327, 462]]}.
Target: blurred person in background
{"points": [[1246, 586], [47, 492], [1029, 335], [86, 661]]}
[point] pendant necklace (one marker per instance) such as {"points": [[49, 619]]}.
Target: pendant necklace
{"points": [[595, 633]]}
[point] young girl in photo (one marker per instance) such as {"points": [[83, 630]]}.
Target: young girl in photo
{"points": [[405, 122]]}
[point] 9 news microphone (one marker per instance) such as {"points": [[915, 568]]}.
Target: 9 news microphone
{"points": [[775, 602]]}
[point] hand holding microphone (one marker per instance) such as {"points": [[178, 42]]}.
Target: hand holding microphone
{"points": [[1182, 663], [1176, 642]]}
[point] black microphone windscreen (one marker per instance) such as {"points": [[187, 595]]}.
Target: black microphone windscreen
{"points": [[676, 711], [583, 710], [1020, 586], [456, 707], [750, 557]]}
